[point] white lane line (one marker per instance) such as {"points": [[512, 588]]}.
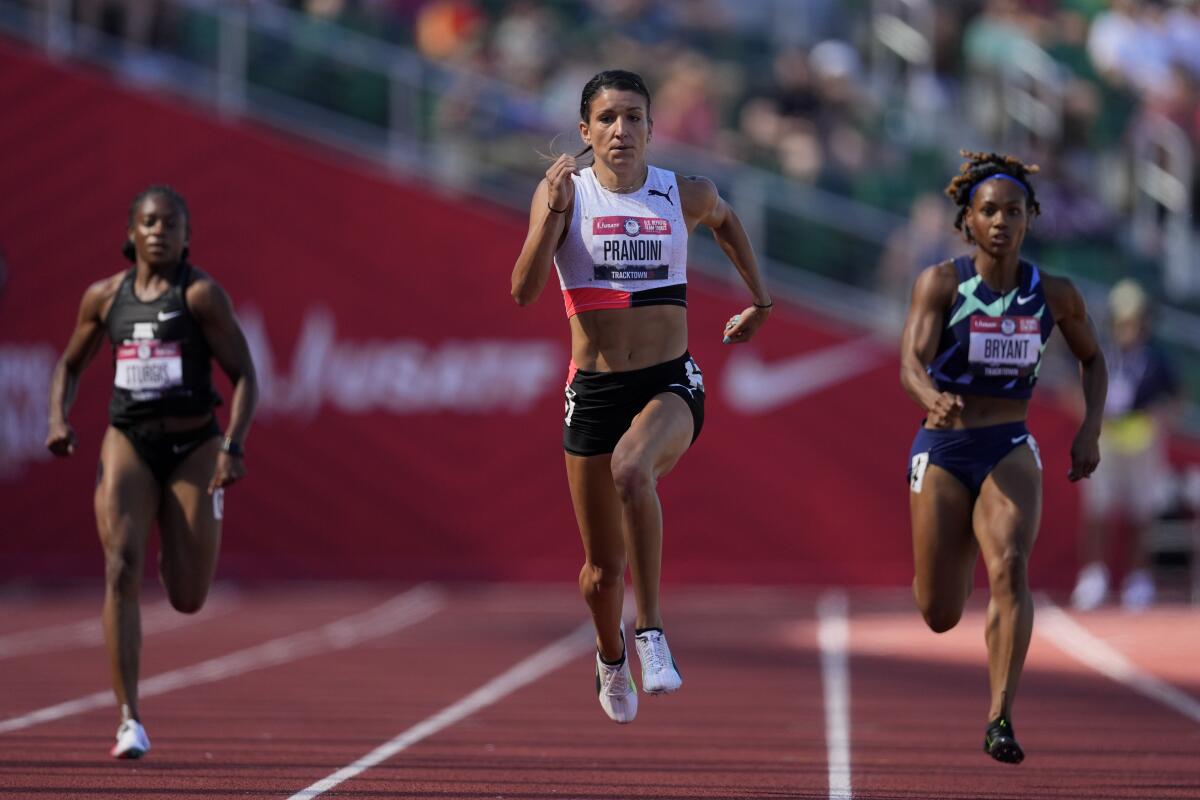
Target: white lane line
{"points": [[1057, 627], [400, 612], [156, 618], [833, 636], [546, 660]]}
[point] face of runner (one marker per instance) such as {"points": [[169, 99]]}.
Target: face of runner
{"points": [[618, 128], [159, 231], [998, 217]]}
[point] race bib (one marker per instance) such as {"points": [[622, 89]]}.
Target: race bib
{"points": [[148, 365], [1004, 346], [630, 248]]}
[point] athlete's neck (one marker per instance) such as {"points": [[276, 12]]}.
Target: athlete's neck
{"points": [[1001, 273], [622, 181], [146, 272]]}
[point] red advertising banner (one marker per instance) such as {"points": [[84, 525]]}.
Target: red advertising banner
{"points": [[410, 422]]}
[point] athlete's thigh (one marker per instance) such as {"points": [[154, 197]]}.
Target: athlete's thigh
{"points": [[597, 508], [659, 434], [190, 518], [1009, 509], [944, 550], [126, 498]]}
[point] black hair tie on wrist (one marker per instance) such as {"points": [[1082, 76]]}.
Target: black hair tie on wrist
{"points": [[554, 210], [768, 305]]}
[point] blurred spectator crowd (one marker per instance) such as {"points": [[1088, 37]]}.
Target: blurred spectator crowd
{"points": [[792, 86]]}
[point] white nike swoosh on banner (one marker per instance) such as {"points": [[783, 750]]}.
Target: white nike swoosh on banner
{"points": [[754, 387], [164, 316]]}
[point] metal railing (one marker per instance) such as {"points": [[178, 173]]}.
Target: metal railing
{"points": [[1163, 164], [1032, 86]]}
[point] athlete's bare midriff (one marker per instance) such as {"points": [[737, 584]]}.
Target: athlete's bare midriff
{"points": [[980, 411], [624, 339]]}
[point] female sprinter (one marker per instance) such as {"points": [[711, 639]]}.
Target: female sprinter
{"points": [[970, 355], [617, 233], [162, 457]]}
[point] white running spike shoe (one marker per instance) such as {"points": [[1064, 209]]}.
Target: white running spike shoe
{"points": [[659, 673], [615, 687], [616, 690], [132, 741]]}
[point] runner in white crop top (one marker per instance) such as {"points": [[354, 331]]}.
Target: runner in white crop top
{"points": [[624, 250], [617, 233]]}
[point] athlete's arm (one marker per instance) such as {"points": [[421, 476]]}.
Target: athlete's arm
{"points": [[932, 294], [546, 230], [702, 204], [1070, 314], [211, 307], [85, 341]]}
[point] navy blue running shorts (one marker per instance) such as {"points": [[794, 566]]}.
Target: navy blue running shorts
{"points": [[968, 454]]}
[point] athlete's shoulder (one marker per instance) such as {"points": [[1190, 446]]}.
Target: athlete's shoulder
{"points": [[104, 289], [695, 185], [203, 291], [942, 276], [1063, 297], [1059, 287], [698, 196]]}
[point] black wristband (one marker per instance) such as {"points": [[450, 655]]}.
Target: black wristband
{"points": [[768, 305], [228, 445], [554, 210]]}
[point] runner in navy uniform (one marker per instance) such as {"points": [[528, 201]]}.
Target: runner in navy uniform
{"points": [[617, 234], [163, 458], [970, 356]]}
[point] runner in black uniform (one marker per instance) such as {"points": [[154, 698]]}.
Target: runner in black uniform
{"points": [[163, 457], [970, 356]]}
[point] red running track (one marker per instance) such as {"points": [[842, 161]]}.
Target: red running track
{"points": [[1107, 708]]}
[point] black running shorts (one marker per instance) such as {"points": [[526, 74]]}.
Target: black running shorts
{"points": [[601, 405]]}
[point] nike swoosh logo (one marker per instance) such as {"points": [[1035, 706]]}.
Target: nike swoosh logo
{"points": [[1023, 300], [754, 387], [179, 448], [1019, 439], [163, 316]]}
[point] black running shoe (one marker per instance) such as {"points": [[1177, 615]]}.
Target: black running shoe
{"points": [[1000, 742]]}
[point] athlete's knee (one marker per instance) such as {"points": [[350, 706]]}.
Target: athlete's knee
{"points": [[600, 577], [122, 566], [188, 601], [1008, 573], [632, 478], [941, 618]]}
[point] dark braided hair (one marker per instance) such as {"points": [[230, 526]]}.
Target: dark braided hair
{"points": [[160, 190], [620, 79], [981, 166]]}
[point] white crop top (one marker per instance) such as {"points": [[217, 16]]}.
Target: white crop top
{"points": [[624, 250]]}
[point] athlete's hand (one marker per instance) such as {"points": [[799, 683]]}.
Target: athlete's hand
{"points": [[1085, 455], [741, 327], [561, 189], [945, 410], [61, 439], [230, 469]]}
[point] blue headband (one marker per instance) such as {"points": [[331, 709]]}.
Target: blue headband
{"points": [[1001, 176]]}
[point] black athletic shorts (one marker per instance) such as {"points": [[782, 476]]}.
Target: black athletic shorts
{"points": [[602, 405], [163, 452]]}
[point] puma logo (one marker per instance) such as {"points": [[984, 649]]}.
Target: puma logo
{"points": [[664, 195]]}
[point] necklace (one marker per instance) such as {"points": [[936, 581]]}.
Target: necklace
{"points": [[623, 189]]}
